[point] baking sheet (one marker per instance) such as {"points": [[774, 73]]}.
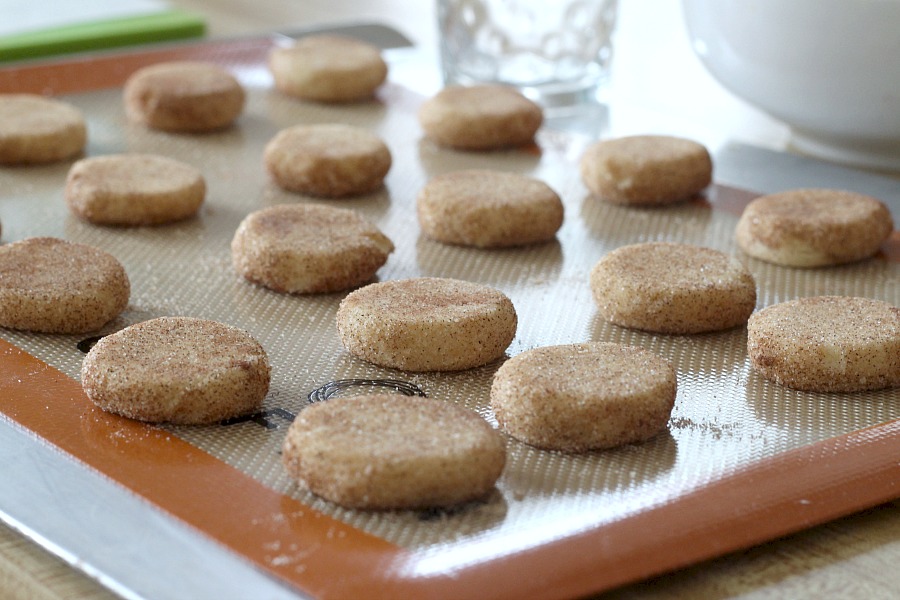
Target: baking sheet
{"points": [[574, 524]]}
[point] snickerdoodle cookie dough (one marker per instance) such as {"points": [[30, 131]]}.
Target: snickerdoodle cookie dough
{"points": [[827, 344], [53, 286], [306, 248], [177, 370], [672, 288], [35, 129], [134, 189], [480, 117], [183, 96], [328, 68], [488, 209], [329, 160], [384, 451], [646, 170], [813, 227], [427, 324], [582, 397]]}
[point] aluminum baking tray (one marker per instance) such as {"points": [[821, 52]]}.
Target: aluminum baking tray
{"points": [[174, 512]]}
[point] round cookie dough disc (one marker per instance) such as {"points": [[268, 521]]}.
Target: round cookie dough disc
{"points": [[488, 209], [305, 249], [427, 324], [827, 344], [385, 451], [672, 288], [480, 117], [329, 161], [328, 68], [34, 129], [646, 169], [582, 397], [183, 96], [53, 286], [177, 370], [813, 227], [134, 189]]}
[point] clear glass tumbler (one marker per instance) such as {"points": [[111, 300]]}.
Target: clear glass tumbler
{"points": [[557, 52]]}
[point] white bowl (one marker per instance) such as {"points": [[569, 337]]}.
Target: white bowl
{"points": [[830, 69]]}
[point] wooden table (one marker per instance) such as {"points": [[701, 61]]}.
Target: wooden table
{"points": [[659, 86]]}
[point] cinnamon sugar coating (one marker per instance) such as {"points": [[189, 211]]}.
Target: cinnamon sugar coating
{"points": [[385, 451], [813, 227], [427, 324], [827, 344], [183, 96], [582, 397], [646, 169], [328, 160], [35, 129], [54, 286], [134, 189], [672, 288], [488, 209], [328, 68], [307, 249], [177, 370], [480, 117]]}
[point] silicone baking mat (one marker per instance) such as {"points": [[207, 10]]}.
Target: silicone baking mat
{"points": [[742, 461]]}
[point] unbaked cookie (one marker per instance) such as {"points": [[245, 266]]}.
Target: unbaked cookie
{"points": [[672, 288], [183, 96], [330, 161], [827, 344], [384, 451], [427, 324], [53, 286], [646, 169], [813, 227], [480, 117], [328, 68], [582, 397], [134, 189], [488, 209], [34, 129], [305, 249], [177, 370]]}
